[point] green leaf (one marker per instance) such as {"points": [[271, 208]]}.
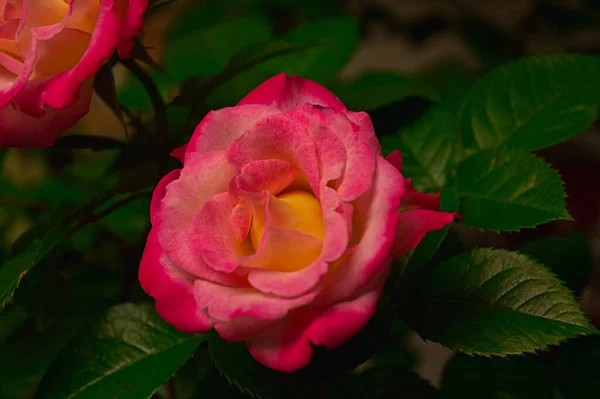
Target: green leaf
{"points": [[241, 62], [509, 189], [375, 89], [208, 51], [567, 256], [532, 103], [328, 45], [427, 149], [129, 353], [338, 38], [518, 377], [13, 271], [493, 302], [59, 301]]}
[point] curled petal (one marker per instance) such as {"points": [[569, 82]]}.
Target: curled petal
{"points": [[203, 177], [278, 137], [272, 175], [213, 237], [286, 92]]}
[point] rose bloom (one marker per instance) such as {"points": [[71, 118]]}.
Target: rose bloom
{"points": [[281, 226], [49, 52]]}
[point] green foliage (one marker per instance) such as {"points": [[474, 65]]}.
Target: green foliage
{"points": [[236, 364], [532, 103], [329, 45], [427, 149], [13, 271], [499, 303], [130, 352], [51, 306], [375, 89], [208, 50], [509, 189]]}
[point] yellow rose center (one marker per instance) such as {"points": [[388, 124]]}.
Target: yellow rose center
{"points": [[293, 210]]}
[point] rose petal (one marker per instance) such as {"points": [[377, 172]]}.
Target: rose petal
{"points": [[62, 90], [363, 120], [272, 175], [173, 292], [228, 303], [416, 199], [360, 156], [212, 236], [218, 129], [414, 224], [287, 345], [203, 177], [159, 193], [288, 284], [286, 92], [395, 158], [132, 26], [278, 137], [377, 213], [17, 129]]}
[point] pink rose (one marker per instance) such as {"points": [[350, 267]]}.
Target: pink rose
{"points": [[49, 52], [280, 228]]}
